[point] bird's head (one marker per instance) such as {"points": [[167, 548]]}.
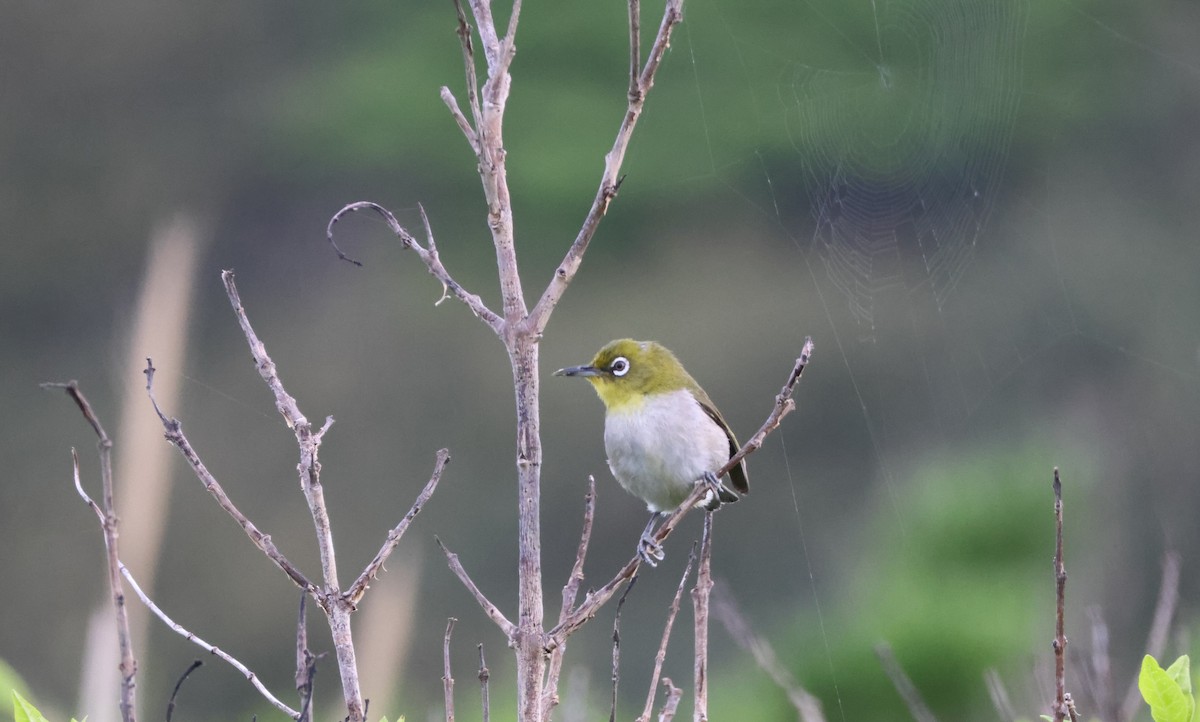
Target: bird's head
{"points": [[625, 371]]}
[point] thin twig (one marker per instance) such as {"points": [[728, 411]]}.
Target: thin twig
{"points": [[661, 656], [493, 612], [570, 592], [736, 624], [904, 686], [1156, 640], [610, 179], [429, 256], [784, 404], [1060, 593], [447, 677], [355, 593], [109, 527], [616, 650], [175, 693], [700, 596], [674, 694], [484, 676], [215, 651], [306, 662], [463, 124], [174, 434], [635, 50]]}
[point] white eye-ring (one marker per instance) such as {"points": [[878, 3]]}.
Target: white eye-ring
{"points": [[619, 366]]}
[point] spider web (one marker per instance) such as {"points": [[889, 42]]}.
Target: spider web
{"points": [[904, 151]]}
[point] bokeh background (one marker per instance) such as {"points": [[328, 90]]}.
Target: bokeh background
{"points": [[985, 214]]}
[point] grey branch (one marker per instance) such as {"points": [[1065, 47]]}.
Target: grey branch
{"points": [[337, 608], [355, 593], [661, 656], [493, 612], [447, 677], [429, 256], [109, 526], [1061, 698], [700, 597], [211, 649], [174, 434], [674, 694], [570, 592]]}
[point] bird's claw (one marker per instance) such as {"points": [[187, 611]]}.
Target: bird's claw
{"points": [[717, 493], [650, 550]]}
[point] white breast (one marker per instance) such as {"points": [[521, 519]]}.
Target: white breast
{"points": [[658, 449]]}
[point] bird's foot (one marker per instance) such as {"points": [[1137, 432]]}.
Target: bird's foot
{"points": [[650, 551], [648, 548], [717, 493]]}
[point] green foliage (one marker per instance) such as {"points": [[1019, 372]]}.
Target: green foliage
{"points": [[1169, 691], [23, 711]]}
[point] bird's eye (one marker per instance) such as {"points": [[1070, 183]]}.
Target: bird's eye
{"points": [[619, 366]]}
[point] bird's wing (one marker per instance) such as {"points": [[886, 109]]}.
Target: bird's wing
{"points": [[738, 475]]}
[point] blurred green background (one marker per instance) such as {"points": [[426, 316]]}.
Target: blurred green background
{"points": [[983, 212]]}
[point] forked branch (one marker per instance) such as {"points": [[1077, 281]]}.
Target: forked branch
{"points": [[108, 525]]}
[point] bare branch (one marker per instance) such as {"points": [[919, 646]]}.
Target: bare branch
{"points": [[674, 694], [429, 256], [493, 612], [215, 651], [1156, 641], [1060, 586], [175, 693], [908, 691], [726, 609], [482, 10], [484, 676], [109, 526], [174, 434], [635, 50], [661, 656], [616, 651], [447, 677], [700, 596], [609, 180], [464, 36], [570, 592], [337, 609], [463, 124], [355, 593], [784, 405], [306, 662]]}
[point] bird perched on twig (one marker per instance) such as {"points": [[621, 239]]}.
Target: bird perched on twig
{"points": [[662, 433]]}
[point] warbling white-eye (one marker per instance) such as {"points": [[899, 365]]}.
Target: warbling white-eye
{"points": [[662, 433]]}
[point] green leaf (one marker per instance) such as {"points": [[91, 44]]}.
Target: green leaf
{"points": [[23, 711], [1180, 671], [1167, 701]]}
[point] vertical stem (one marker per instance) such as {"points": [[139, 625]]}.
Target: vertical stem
{"points": [[700, 595], [530, 637]]}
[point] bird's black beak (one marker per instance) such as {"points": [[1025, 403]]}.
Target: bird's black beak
{"points": [[579, 371]]}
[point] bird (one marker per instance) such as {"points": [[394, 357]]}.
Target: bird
{"points": [[662, 432]]}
